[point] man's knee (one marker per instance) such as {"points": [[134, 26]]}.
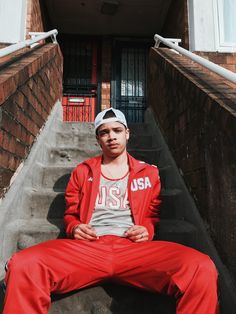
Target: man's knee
{"points": [[206, 271], [196, 269], [22, 262]]}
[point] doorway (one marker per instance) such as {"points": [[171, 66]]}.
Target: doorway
{"points": [[80, 83], [130, 79]]}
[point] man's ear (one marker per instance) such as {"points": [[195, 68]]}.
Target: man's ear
{"points": [[97, 138], [127, 133]]}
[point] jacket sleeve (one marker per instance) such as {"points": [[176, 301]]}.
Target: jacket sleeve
{"points": [[72, 199], [153, 211]]}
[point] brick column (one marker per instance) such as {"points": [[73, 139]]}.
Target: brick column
{"points": [[106, 74]]}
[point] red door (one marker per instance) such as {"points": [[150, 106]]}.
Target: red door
{"points": [[79, 78]]}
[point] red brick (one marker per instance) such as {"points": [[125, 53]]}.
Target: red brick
{"points": [[7, 87], [230, 67], [13, 145], [8, 160], [231, 59], [4, 156], [9, 124], [19, 99], [5, 177]]}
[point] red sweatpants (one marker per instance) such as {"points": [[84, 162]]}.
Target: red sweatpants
{"points": [[63, 265]]}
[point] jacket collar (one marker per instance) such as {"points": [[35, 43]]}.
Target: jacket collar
{"points": [[135, 165]]}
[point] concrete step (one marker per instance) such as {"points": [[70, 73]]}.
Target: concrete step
{"points": [[75, 139], [89, 139], [172, 206], [139, 128], [39, 230], [52, 176], [44, 203], [22, 233], [50, 204], [140, 141], [178, 231], [112, 298], [75, 127], [57, 177], [168, 179], [34, 231], [72, 155], [153, 156]]}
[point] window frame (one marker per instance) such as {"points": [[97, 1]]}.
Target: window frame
{"points": [[221, 44]]}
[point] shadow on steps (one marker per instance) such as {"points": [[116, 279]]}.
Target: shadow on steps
{"points": [[107, 299], [112, 299]]}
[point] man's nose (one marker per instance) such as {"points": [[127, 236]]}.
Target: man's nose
{"points": [[112, 135]]}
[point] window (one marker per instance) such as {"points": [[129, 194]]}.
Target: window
{"points": [[226, 32]]}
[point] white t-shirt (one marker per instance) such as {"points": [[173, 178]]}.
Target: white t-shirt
{"points": [[112, 214]]}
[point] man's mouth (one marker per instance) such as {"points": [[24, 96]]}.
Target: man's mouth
{"points": [[113, 145]]}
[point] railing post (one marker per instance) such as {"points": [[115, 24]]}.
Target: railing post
{"points": [[29, 42]]}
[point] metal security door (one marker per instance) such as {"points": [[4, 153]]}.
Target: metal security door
{"points": [[131, 78], [79, 78]]}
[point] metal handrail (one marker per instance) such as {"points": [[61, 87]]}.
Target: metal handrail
{"points": [[229, 75], [29, 42]]}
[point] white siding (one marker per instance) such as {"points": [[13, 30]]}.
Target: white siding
{"points": [[12, 20], [208, 27], [202, 25]]}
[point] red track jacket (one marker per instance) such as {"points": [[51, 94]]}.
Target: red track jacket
{"points": [[143, 193]]}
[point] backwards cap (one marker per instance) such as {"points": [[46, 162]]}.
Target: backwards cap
{"points": [[117, 116]]}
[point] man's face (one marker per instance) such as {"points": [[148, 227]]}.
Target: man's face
{"points": [[112, 137]]}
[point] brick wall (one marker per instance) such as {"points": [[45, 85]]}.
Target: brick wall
{"points": [[34, 20], [197, 114], [29, 87], [226, 60], [176, 25]]}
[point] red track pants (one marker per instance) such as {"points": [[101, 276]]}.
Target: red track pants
{"points": [[63, 265]]}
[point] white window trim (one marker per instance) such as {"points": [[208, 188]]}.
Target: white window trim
{"points": [[221, 45]]}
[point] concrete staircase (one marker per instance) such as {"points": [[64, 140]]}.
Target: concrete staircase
{"points": [[144, 145], [36, 213]]}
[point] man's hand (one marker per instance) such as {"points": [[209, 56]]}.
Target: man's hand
{"points": [[84, 232], [137, 233]]}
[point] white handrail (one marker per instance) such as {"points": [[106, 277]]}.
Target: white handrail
{"points": [[26, 43], [229, 75]]}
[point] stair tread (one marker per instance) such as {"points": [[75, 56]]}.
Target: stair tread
{"points": [[55, 166], [170, 191], [176, 223], [151, 149], [32, 223]]}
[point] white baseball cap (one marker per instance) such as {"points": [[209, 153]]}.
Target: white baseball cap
{"points": [[116, 116]]}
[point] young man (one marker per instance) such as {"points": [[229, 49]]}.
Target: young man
{"points": [[112, 207]]}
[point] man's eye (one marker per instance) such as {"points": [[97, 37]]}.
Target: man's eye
{"points": [[102, 133]]}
